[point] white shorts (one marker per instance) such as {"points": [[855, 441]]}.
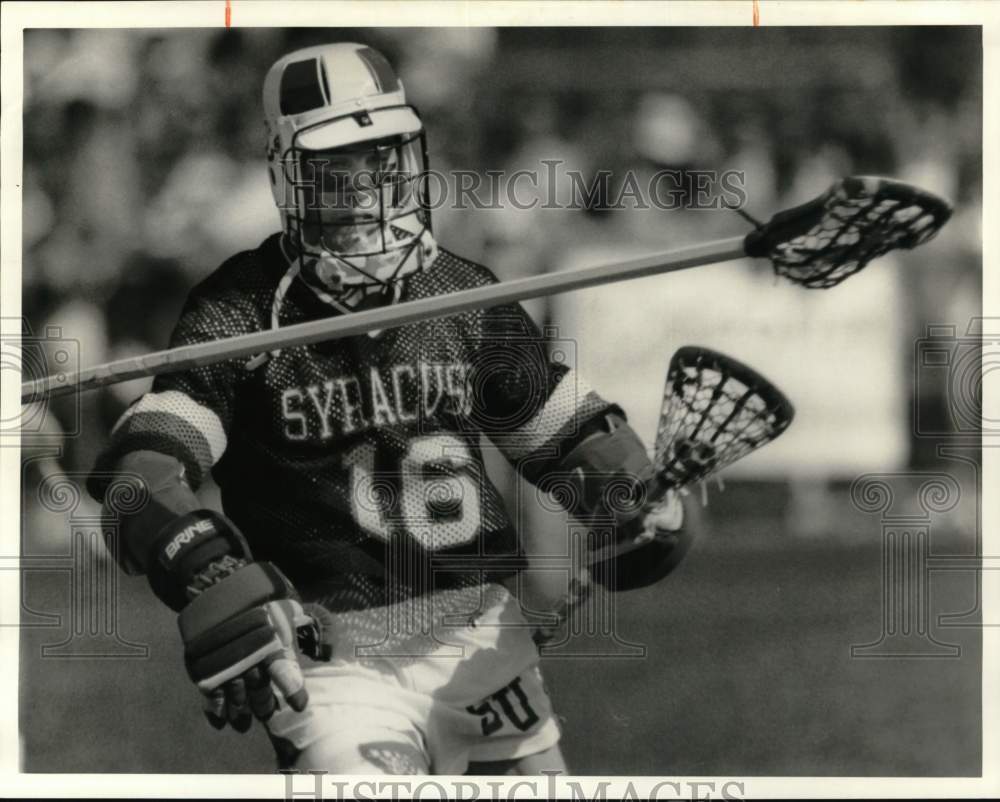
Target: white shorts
{"points": [[481, 698]]}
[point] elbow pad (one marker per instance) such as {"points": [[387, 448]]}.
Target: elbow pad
{"points": [[603, 479], [160, 479], [171, 539]]}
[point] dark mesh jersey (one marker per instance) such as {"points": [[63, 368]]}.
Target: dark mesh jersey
{"points": [[355, 465]]}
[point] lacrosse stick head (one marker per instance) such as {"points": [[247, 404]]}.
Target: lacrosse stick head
{"points": [[832, 237], [715, 411]]}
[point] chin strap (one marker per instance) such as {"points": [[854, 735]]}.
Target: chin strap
{"points": [[294, 268], [421, 253]]}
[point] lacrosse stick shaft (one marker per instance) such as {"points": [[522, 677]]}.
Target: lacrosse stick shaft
{"points": [[208, 353]]}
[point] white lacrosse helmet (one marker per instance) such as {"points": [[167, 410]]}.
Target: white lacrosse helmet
{"points": [[347, 159]]}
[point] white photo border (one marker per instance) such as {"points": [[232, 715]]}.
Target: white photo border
{"points": [[17, 16]]}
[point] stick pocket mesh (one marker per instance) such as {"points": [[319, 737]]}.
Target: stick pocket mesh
{"points": [[715, 411], [832, 237]]}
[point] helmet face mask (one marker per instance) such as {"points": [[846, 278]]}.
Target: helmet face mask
{"points": [[346, 200], [348, 170]]}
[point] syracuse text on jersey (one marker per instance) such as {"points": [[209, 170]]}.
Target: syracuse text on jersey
{"points": [[375, 398]]}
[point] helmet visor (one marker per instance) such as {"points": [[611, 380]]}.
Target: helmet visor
{"points": [[347, 197]]}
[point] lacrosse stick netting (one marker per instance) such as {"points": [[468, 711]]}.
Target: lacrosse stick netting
{"points": [[832, 237], [715, 411]]}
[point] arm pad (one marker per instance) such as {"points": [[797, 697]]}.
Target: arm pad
{"points": [[604, 478], [171, 539], [169, 498]]}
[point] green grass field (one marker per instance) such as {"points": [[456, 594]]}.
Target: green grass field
{"points": [[748, 671]]}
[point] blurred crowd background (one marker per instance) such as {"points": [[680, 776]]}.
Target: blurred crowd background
{"points": [[143, 155], [144, 170]]}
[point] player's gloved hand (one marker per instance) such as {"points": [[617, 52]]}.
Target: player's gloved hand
{"points": [[652, 548], [242, 641], [654, 539], [661, 516], [608, 480], [241, 621]]}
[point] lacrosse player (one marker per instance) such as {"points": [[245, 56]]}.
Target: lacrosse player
{"points": [[356, 596]]}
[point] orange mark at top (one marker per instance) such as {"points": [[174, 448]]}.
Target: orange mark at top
{"points": [[229, 13], [756, 13]]}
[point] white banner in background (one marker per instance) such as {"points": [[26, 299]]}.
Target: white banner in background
{"points": [[837, 354]]}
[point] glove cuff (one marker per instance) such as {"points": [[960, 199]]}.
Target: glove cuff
{"points": [[190, 552]]}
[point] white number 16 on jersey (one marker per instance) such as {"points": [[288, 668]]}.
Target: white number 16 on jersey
{"points": [[435, 491]]}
